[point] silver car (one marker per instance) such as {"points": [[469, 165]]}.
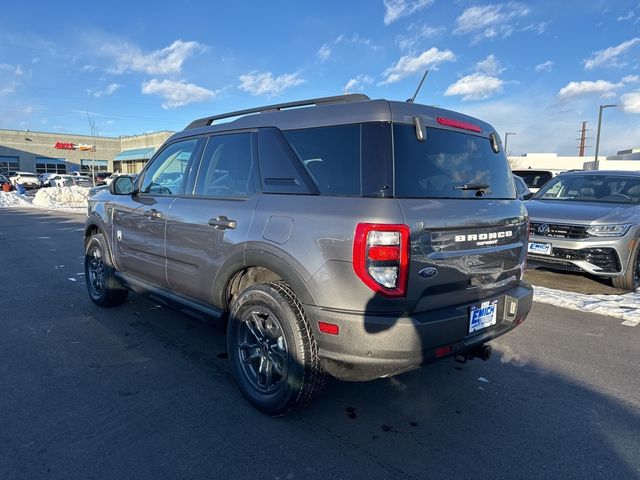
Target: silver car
{"points": [[588, 221]]}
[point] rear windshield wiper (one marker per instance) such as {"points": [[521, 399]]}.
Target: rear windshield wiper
{"points": [[471, 186]]}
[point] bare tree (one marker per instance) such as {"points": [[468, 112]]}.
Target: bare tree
{"points": [[94, 136]]}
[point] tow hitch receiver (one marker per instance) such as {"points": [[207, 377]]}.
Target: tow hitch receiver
{"points": [[482, 352]]}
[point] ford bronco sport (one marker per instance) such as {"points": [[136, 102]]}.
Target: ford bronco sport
{"points": [[357, 238]]}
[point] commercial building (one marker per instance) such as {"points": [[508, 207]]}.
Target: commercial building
{"points": [[42, 152], [624, 160]]}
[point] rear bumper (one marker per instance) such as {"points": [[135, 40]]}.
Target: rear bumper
{"points": [[372, 346]]}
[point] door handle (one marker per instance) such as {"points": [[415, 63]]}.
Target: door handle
{"points": [[222, 223], [153, 213]]}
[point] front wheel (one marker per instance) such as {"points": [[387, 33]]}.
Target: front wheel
{"points": [[104, 288], [272, 351], [631, 279]]}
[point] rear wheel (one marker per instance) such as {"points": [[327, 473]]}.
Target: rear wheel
{"points": [[272, 351], [104, 288], [631, 279]]}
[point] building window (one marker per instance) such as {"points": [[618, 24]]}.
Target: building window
{"points": [[9, 164], [90, 165], [50, 165]]}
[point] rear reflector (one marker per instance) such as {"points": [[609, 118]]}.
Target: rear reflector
{"points": [[450, 122], [384, 253], [329, 328], [442, 351]]}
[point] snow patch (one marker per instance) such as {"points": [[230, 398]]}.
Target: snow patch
{"points": [[57, 198], [12, 199], [625, 306]]}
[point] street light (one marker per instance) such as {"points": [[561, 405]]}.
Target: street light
{"points": [[506, 141], [602, 107]]}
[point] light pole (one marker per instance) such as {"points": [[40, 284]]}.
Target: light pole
{"points": [[602, 107], [506, 141]]}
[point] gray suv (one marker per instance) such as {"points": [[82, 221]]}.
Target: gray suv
{"points": [[589, 221], [345, 236]]}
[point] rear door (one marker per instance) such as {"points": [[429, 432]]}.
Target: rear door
{"points": [[139, 220], [468, 229], [208, 227]]}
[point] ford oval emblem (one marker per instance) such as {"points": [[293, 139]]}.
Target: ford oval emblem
{"points": [[428, 272]]}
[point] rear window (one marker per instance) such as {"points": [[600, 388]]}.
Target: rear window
{"points": [[533, 178], [331, 155], [449, 165]]}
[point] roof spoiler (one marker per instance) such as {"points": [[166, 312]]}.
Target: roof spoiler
{"points": [[354, 97]]}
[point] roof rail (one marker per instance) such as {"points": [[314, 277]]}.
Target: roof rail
{"points": [[354, 97]]}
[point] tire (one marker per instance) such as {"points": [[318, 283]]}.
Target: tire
{"points": [[272, 351], [104, 288], [631, 279]]}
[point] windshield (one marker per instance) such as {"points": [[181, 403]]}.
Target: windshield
{"points": [[534, 178], [449, 164], [592, 188]]}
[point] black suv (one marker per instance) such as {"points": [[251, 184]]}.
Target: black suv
{"points": [[355, 237]]}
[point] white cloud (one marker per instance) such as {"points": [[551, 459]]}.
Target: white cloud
{"points": [[9, 88], [538, 28], [545, 66], [108, 90], [630, 102], [176, 93], [477, 86], [16, 70], [159, 62], [357, 83], [630, 14], [490, 65], [630, 79], [324, 52], [488, 21], [410, 42], [610, 57], [396, 9], [266, 84], [409, 64], [577, 89]]}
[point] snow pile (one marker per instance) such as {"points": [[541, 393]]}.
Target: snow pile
{"points": [[12, 199], [61, 197], [626, 306]]}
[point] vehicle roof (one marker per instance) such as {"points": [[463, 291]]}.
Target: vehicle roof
{"points": [[533, 170], [329, 114], [625, 173]]}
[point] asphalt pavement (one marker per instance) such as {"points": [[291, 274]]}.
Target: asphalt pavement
{"points": [[143, 392]]}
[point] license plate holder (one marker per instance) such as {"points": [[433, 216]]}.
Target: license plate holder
{"points": [[483, 316], [540, 248]]}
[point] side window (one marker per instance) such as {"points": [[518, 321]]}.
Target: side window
{"points": [[331, 155], [166, 174], [227, 167]]}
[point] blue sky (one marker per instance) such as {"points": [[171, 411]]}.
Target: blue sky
{"points": [[534, 68]]}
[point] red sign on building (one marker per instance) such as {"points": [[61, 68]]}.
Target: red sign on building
{"points": [[65, 146]]}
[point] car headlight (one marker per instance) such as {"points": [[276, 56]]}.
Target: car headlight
{"points": [[609, 230]]}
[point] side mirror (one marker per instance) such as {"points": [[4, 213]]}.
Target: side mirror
{"points": [[122, 186]]}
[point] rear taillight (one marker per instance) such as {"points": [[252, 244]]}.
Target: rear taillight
{"points": [[381, 257]]}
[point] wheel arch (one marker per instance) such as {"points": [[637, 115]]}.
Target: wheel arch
{"points": [[94, 225], [259, 266]]}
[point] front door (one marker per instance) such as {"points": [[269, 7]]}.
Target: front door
{"points": [[139, 221]]}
